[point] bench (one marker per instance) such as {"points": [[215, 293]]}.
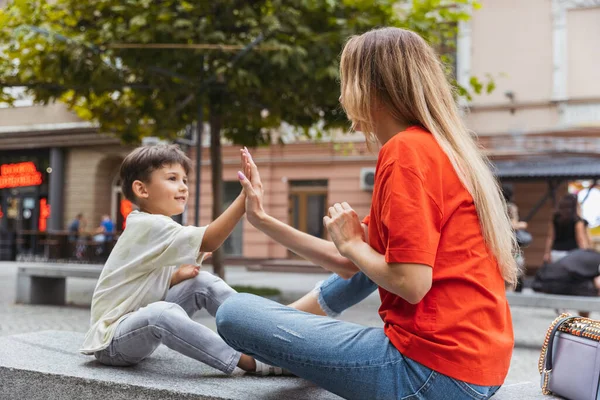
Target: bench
{"points": [[529, 298], [46, 365], [41, 283]]}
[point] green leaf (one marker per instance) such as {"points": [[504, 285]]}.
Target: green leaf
{"points": [[138, 21], [182, 23]]}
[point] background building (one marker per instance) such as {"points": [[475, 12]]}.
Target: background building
{"points": [[77, 169], [545, 111], [541, 126]]}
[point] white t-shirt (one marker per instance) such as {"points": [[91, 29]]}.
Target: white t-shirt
{"points": [[138, 271]]}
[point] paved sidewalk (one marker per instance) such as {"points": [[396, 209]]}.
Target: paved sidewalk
{"points": [[530, 324]]}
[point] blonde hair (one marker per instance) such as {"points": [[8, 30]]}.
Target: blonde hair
{"points": [[397, 69]]}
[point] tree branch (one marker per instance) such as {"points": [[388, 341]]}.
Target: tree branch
{"points": [[193, 46]]}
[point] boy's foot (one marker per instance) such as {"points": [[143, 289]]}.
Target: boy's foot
{"points": [[266, 369]]}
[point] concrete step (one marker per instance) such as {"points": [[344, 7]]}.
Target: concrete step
{"points": [[46, 365], [522, 391]]}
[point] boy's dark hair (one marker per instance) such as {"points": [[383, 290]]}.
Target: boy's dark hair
{"points": [[141, 162]]}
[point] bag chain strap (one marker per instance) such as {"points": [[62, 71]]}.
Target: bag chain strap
{"points": [[542, 361]]}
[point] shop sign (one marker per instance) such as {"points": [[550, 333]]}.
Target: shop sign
{"points": [[19, 174], [44, 214]]}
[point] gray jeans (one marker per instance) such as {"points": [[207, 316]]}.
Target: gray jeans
{"points": [[169, 322]]}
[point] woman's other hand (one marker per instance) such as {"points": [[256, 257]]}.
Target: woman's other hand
{"points": [[250, 180], [344, 227]]}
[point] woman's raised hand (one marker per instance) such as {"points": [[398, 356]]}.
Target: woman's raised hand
{"points": [[250, 180]]}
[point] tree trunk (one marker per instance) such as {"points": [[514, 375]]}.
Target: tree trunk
{"points": [[216, 163]]}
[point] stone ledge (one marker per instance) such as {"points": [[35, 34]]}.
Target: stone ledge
{"points": [[46, 365], [521, 391], [529, 298]]}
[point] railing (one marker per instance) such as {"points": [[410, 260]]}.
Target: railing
{"points": [[61, 247]]}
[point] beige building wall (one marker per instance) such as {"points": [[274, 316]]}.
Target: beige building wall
{"points": [[89, 177], [24, 116], [511, 42], [583, 38], [543, 56]]}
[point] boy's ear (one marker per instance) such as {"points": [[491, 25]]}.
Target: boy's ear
{"points": [[139, 189]]}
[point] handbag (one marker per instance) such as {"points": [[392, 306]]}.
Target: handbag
{"points": [[570, 359], [524, 238]]}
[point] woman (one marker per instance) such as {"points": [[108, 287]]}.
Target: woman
{"points": [[567, 231], [437, 243]]}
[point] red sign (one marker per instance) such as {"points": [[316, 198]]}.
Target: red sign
{"points": [[20, 174], [126, 207], [44, 214]]}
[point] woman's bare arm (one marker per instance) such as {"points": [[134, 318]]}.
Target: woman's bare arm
{"points": [[318, 251]]}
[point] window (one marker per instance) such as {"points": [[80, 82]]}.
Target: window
{"points": [[307, 206]]}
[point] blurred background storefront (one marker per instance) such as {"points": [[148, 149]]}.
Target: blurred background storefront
{"points": [[52, 168]]}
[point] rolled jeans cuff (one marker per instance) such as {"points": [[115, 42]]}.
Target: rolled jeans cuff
{"points": [[322, 303]]}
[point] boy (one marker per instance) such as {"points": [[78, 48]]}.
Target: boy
{"points": [[142, 299]]}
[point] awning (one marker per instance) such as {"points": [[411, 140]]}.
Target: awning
{"points": [[560, 168]]}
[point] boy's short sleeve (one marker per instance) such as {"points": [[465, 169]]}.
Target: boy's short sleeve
{"points": [[152, 242], [411, 217], [366, 220], [181, 245]]}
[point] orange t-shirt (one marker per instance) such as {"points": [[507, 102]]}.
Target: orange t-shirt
{"points": [[422, 214]]}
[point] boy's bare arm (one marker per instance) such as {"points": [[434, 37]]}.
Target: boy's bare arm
{"points": [[218, 230]]}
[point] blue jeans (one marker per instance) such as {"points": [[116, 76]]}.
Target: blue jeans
{"points": [[336, 294], [350, 360]]}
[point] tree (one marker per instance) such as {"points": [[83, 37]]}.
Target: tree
{"points": [[143, 67]]}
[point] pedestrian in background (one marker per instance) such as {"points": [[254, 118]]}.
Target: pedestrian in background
{"points": [[76, 227], [76, 239], [566, 231]]}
